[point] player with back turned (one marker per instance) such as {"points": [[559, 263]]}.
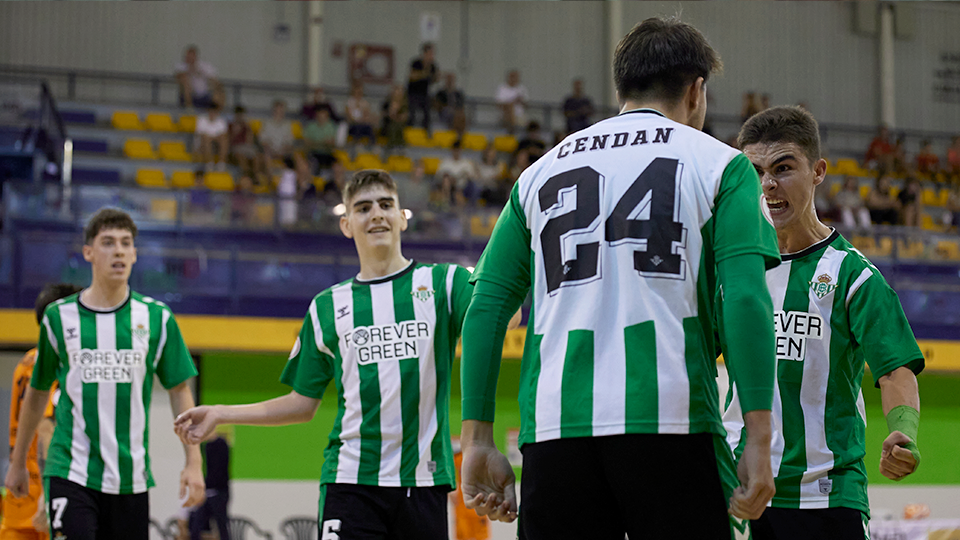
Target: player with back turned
{"points": [[635, 235], [833, 311]]}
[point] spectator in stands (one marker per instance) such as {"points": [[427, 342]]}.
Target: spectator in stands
{"points": [[909, 201], [884, 208], [953, 159], [577, 108], [217, 480], [243, 201], [396, 112], [880, 152], [243, 146], [423, 73], [415, 192], [450, 104], [197, 80], [927, 163], [276, 136], [512, 98], [521, 160], [490, 175], [287, 193], [764, 102], [333, 186], [951, 218], [900, 155], [750, 106], [212, 129], [446, 197], [359, 116], [532, 141], [200, 203], [463, 171], [316, 102], [850, 205], [320, 139]]}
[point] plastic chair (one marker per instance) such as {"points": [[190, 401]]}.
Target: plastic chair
{"points": [[160, 122], [415, 136], [505, 143], [174, 151], [368, 161], [431, 164], [300, 528], [239, 527], [138, 149], [445, 139], [183, 179], [187, 123], [127, 120], [474, 141], [401, 164], [151, 178], [297, 129], [218, 181]]}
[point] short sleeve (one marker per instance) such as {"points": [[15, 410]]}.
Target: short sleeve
{"points": [[310, 367], [503, 94], [507, 257], [742, 224], [880, 327], [461, 293], [208, 69], [48, 357], [176, 364]]}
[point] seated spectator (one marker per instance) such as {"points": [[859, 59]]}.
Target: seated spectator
{"points": [[884, 208], [450, 104], [243, 146], [512, 98], [396, 112], [532, 141], [212, 129], [880, 152], [927, 163], [316, 102], [423, 73], [200, 200], [951, 218], [287, 193], [490, 174], [852, 209], [197, 80], [359, 116], [333, 186], [276, 136], [521, 160], [577, 108], [750, 106], [415, 192], [319, 139], [953, 159], [446, 197], [900, 155], [462, 170], [243, 202], [909, 200]]}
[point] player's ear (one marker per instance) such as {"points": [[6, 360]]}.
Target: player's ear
{"points": [[693, 94], [403, 219], [820, 170], [87, 252], [345, 226]]}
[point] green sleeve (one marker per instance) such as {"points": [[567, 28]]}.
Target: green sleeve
{"points": [[747, 333], [176, 364], [741, 222], [502, 281], [461, 293], [48, 361], [881, 330], [308, 370]]}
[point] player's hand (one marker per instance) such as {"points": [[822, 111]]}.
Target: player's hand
{"points": [[756, 481], [40, 521], [192, 486], [196, 425], [488, 483], [896, 462], [17, 481]]}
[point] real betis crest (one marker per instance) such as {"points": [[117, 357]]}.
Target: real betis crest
{"points": [[822, 286], [140, 332], [422, 293]]}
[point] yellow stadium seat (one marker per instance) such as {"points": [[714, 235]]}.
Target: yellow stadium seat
{"points": [[297, 129], [894, 191], [368, 161], [138, 149], [445, 139], [174, 151], [218, 181], [835, 188], [125, 120], [482, 227], [430, 165], [948, 249], [160, 122], [831, 168], [341, 156], [474, 141], [188, 123], [263, 214], [929, 197], [927, 222], [415, 136], [847, 166], [401, 164], [151, 178], [255, 125], [864, 191], [163, 209], [886, 247], [319, 183], [910, 250], [183, 179], [505, 143]]}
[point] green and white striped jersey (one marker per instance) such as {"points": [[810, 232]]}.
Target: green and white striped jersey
{"points": [[833, 310], [388, 345], [617, 231], [105, 362]]}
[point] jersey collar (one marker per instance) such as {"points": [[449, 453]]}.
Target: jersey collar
{"points": [[113, 309], [386, 278], [815, 247], [644, 110]]}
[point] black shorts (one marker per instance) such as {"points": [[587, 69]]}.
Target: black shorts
{"points": [[80, 513], [357, 512], [645, 486], [822, 524]]}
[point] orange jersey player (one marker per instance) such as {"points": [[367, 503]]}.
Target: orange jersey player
{"points": [[469, 526]]}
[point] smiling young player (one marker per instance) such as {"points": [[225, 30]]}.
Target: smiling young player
{"points": [[387, 340], [832, 311]]}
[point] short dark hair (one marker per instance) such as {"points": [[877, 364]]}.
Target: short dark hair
{"points": [[50, 293], [789, 124], [239, 109], [108, 218], [660, 57], [365, 179], [426, 47]]}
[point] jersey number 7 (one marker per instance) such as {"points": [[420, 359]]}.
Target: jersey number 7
{"points": [[656, 186]]}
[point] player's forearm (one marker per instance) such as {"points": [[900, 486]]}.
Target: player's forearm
{"points": [[292, 408], [31, 413], [181, 399], [899, 387], [474, 433], [758, 427], [484, 328], [44, 436], [748, 333]]}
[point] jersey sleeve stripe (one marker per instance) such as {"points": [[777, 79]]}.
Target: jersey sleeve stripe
{"points": [[165, 318], [51, 337], [451, 270], [864, 276], [318, 330]]}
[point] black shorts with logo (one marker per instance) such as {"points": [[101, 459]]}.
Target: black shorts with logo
{"points": [[80, 513], [358, 512], [822, 524]]}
